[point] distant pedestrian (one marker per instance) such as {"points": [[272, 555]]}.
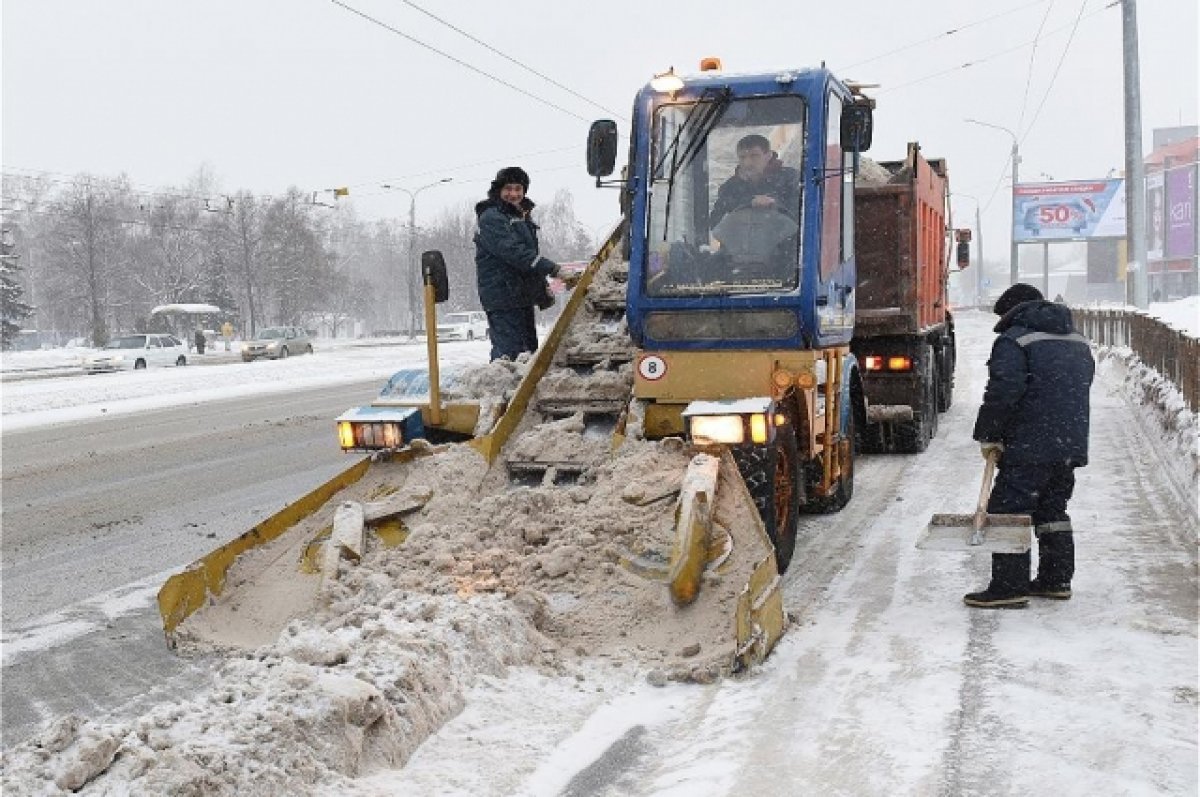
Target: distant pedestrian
{"points": [[1034, 416], [510, 271], [199, 338]]}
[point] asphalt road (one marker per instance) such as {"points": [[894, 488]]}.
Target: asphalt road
{"points": [[97, 513]]}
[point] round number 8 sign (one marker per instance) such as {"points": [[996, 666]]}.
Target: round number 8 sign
{"points": [[652, 367]]}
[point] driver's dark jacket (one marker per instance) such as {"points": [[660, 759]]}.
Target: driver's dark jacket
{"points": [[778, 181], [509, 271], [1036, 399]]}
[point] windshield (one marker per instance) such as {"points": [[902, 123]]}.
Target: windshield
{"points": [[271, 333], [458, 318], [725, 219], [128, 342]]}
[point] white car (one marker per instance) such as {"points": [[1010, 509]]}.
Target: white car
{"points": [[135, 352], [463, 326]]}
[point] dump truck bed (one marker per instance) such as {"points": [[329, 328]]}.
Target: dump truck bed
{"points": [[900, 246]]}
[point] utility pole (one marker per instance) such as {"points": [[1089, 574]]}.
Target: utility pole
{"points": [[979, 275], [412, 278], [979, 286], [1135, 169], [1013, 268]]}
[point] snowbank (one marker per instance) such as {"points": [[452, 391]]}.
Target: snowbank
{"points": [[1164, 417]]}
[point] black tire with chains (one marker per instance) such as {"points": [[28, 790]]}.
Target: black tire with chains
{"points": [[757, 465], [912, 437]]}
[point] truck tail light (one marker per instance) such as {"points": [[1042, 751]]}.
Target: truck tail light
{"points": [[900, 363], [874, 362]]}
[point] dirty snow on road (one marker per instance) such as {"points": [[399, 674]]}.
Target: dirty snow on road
{"points": [[885, 683]]}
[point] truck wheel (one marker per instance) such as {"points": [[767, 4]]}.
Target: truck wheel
{"points": [[945, 381], [912, 437], [771, 474]]}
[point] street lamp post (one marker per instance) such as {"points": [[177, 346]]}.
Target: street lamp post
{"points": [[1013, 276], [414, 308], [979, 276]]}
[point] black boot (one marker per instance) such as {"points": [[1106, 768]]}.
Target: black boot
{"points": [[1009, 588], [1056, 565]]}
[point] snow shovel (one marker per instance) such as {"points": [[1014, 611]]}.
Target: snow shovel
{"points": [[980, 532]]}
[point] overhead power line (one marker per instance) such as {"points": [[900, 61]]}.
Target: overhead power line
{"points": [[509, 58], [1057, 67], [1000, 53], [458, 61], [1032, 56], [944, 34]]}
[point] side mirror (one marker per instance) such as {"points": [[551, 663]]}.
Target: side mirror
{"points": [[433, 272], [858, 123], [602, 148], [963, 254]]}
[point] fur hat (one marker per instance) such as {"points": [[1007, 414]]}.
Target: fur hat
{"points": [[509, 175], [1018, 293]]}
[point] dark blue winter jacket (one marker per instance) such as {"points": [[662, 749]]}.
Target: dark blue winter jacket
{"points": [[780, 182], [509, 271], [1036, 399]]}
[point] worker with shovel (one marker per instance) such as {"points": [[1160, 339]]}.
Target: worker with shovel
{"points": [[1034, 420]]}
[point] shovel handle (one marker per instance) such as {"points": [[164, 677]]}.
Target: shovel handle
{"points": [[989, 470]]}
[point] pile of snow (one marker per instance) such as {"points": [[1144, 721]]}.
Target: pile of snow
{"points": [[359, 672], [1164, 416], [323, 706], [1181, 314]]}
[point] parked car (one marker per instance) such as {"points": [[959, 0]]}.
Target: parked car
{"points": [[275, 343], [463, 326], [136, 352]]}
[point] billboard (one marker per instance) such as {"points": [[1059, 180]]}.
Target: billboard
{"points": [[1181, 212], [1068, 211]]}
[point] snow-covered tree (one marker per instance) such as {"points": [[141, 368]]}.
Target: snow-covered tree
{"points": [[12, 309]]}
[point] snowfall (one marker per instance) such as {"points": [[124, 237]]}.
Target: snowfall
{"points": [[883, 684]]}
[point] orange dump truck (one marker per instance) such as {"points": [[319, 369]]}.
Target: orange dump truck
{"points": [[904, 333]]}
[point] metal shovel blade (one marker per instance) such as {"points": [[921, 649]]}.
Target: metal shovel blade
{"points": [[997, 534]]}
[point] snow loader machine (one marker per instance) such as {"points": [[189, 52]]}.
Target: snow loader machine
{"points": [[730, 336]]}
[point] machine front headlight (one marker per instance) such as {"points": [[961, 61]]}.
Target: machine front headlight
{"points": [[378, 428], [708, 429], [732, 422]]}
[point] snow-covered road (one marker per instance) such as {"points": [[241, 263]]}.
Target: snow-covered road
{"points": [[886, 683]]}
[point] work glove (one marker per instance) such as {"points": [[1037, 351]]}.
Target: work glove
{"points": [[991, 449]]}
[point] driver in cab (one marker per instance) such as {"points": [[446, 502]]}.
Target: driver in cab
{"points": [[760, 181]]}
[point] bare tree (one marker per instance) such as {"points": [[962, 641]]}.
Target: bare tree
{"points": [[169, 250], [293, 257], [84, 248], [239, 237]]}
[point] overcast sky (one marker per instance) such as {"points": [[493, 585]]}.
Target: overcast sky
{"points": [[267, 94]]}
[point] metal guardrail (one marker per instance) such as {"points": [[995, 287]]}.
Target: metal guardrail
{"points": [[1167, 350]]}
